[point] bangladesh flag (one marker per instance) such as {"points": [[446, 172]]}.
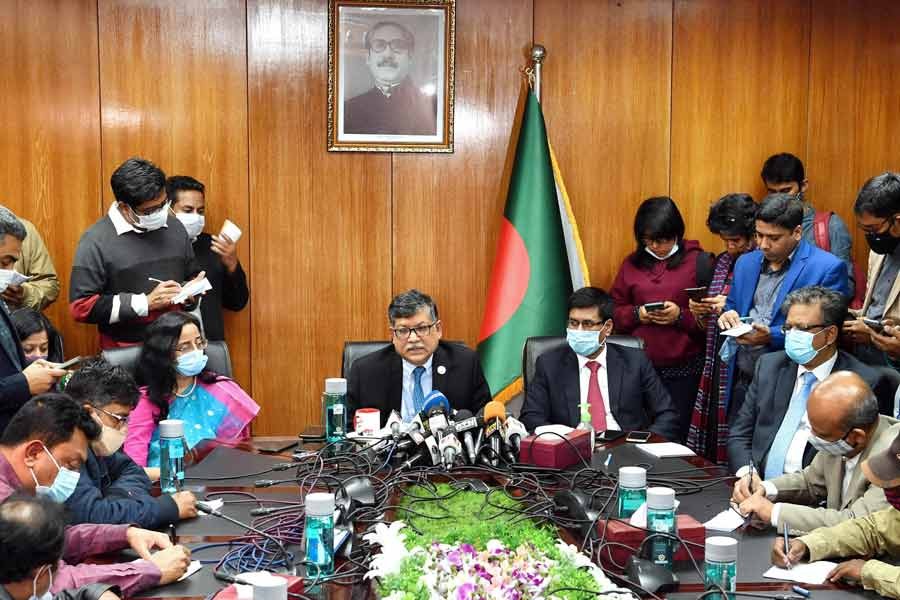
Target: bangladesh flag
{"points": [[538, 263]]}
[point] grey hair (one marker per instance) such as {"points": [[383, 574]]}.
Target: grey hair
{"points": [[408, 303], [10, 224], [833, 304], [864, 412]]}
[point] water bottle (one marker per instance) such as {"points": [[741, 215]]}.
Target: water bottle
{"points": [[632, 490], [172, 449], [334, 409], [661, 519], [721, 565], [319, 533], [585, 423]]}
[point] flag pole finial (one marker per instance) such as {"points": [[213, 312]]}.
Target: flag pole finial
{"points": [[538, 54]]}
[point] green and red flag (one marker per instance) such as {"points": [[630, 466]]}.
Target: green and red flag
{"points": [[539, 259]]}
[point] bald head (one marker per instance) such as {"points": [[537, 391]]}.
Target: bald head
{"points": [[841, 404]]}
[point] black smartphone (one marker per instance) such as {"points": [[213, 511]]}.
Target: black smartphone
{"points": [[313, 434], [69, 363], [651, 306], [638, 437], [696, 293], [876, 326], [610, 435]]}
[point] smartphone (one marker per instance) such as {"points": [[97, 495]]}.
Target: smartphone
{"points": [[638, 437], [313, 434], [651, 306], [876, 326], [610, 435], [69, 363], [696, 293]]}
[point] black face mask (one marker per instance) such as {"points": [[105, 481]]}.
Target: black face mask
{"points": [[882, 243]]}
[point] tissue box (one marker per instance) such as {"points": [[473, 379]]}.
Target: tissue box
{"points": [[554, 452], [688, 528]]}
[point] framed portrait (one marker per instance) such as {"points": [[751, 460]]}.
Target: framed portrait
{"points": [[390, 75]]}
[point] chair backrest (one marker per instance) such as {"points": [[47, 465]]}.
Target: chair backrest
{"points": [[127, 357], [356, 350], [535, 346], [887, 398]]}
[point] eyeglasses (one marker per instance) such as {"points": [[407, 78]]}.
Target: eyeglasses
{"points": [[200, 344], [120, 420], [877, 228], [786, 328], [402, 333], [397, 45], [150, 211], [584, 323]]}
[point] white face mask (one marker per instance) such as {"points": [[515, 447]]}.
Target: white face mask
{"points": [[193, 223], [657, 257], [46, 595], [153, 221]]}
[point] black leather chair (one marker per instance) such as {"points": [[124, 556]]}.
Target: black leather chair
{"points": [[219, 358], [891, 379], [535, 346]]}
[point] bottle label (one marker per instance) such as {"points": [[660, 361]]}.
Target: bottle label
{"points": [[338, 409]]}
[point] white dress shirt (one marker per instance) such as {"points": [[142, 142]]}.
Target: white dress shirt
{"points": [[407, 405], [793, 461], [584, 377]]}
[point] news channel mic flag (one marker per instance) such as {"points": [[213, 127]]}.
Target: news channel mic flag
{"points": [[391, 74]]}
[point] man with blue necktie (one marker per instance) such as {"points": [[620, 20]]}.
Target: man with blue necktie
{"points": [[772, 429], [399, 376]]}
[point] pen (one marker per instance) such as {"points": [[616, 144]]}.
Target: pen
{"points": [[155, 279], [787, 545], [172, 536], [608, 460], [751, 469]]}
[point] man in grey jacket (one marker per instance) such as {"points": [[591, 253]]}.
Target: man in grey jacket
{"points": [[845, 429]]}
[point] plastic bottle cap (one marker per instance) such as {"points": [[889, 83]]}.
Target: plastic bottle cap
{"points": [[320, 504], [632, 477], [335, 385], [721, 549], [171, 428], [660, 498]]}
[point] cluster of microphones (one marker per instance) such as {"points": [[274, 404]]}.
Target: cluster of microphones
{"points": [[442, 437]]}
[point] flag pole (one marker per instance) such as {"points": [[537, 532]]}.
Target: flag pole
{"points": [[538, 53]]}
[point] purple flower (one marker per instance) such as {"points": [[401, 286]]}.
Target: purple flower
{"points": [[466, 591], [455, 558], [468, 549]]}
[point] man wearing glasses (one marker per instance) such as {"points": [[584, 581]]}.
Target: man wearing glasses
{"points": [[400, 376], [394, 106], [619, 383], [131, 263], [112, 488], [772, 429]]}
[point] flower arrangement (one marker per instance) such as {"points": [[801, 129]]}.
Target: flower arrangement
{"points": [[479, 549]]}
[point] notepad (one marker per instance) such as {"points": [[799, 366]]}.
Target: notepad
{"points": [[231, 231], [738, 331], [726, 521], [666, 450], [192, 288], [814, 573]]}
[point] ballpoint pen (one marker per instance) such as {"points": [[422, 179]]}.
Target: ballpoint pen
{"points": [[156, 280], [787, 546]]}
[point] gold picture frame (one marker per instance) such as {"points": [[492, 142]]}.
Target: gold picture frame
{"points": [[391, 75]]}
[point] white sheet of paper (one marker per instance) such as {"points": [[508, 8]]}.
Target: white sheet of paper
{"points": [[193, 568], [18, 279], [639, 517], [666, 449], [726, 521], [192, 289], [231, 230], [814, 573], [738, 331], [557, 429]]}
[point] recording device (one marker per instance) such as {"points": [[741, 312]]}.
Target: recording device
{"points": [[463, 424], [288, 558], [494, 417], [638, 437], [435, 413], [696, 293], [451, 450], [876, 326], [652, 306], [313, 434], [515, 432]]}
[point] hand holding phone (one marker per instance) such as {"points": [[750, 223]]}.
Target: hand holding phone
{"points": [[696, 293], [876, 326], [69, 363], [652, 306]]}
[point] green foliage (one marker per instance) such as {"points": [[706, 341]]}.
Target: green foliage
{"points": [[566, 574], [407, 580]]}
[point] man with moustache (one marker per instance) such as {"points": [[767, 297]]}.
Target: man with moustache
{"points": [[394, 106]]}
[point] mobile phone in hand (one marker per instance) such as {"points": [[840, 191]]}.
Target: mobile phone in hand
{"points": [[876, 326], [696, 293], [652, 306], [69, 363]]}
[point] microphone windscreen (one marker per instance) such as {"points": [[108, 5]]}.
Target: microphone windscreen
{"points": [[494, 410], [436, 399]]}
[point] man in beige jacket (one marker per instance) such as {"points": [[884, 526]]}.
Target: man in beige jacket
{"points": [[43, 288], [845, 429]]}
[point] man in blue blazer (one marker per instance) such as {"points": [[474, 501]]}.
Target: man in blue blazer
{"points": [[782, 262]]}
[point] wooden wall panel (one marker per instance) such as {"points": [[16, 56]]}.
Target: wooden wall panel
{"points": [[854, 103], [447, 208], [322, 270], [50, 138], [606, 100], [174, 91], [739, 95]]}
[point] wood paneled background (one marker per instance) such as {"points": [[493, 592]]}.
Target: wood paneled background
{"points": [[641, 97]]}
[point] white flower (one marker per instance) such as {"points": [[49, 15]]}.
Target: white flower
{"points": [[393, 550], [495, 546]]}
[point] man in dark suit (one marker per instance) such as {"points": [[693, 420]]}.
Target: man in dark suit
{"points": [[772, 429], [782, 262], [400, 376], [16, 384], [620, 384]]}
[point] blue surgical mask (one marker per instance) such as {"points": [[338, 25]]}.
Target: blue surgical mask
{"points": [[46, 595], [191, 363], [154, 220], [63, 485], [836, 448], [798, 345], [584, 342]]}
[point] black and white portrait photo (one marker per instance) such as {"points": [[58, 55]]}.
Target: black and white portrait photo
{"points": [[390, 76]]}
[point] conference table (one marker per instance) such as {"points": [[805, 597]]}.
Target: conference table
{"points": [[243, 465]]}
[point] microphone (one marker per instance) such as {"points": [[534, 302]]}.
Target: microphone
{"points": [[515, 431], [288, 559], [430, 450], [450, 450], [435, 412], [494, 416], [463, 423]]}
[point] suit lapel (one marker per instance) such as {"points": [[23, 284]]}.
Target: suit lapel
{"points": [[396, 383], [834, 480], [784, 388], [440, 368], [9, 342], [571, 385], [751, 283], [614, 368], [874, 272], [858, 480], [797, 265]]}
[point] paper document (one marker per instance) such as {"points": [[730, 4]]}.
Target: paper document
{"points": [[193, 568], [738, 331], [216, 504], [232, 231], [666, 449], [192, 288], [639, 517], [726, 521], [814, 573]]}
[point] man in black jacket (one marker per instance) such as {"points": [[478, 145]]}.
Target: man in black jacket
{"points": [[32, 536], [619, 383], [400, 376]]}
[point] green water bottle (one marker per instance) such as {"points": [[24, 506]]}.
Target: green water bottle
{"points": [[661, 519], [721, 565], [632, 490]]}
